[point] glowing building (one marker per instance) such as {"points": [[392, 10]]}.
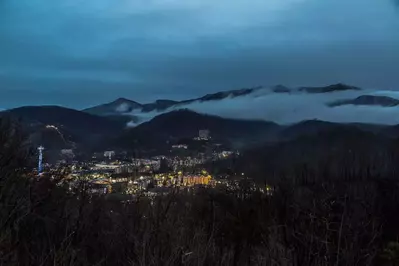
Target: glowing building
{"points": [[109, 154], [204, 134]]}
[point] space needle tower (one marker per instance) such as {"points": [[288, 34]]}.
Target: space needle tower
{"points": [[40, 166]]}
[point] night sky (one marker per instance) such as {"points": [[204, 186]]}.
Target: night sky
{"points": [[79, 53]]}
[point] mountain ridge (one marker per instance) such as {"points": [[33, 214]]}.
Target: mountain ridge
{"points": [[59, 127], [65, 126], [123, 106], [330, 88], [186, 124], [370, 100]]}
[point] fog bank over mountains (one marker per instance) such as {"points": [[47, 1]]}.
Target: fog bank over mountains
{"points": [[335, 103], [380, 107]]}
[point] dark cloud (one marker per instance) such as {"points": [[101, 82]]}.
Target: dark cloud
{"points": [[79, 53]]}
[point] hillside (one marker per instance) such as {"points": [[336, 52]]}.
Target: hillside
{"points": [[315, 127], [305, 128], [338, 148], [242, 134], [186, 124], [62, 127]]}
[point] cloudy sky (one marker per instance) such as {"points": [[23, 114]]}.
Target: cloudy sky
{"points": [[79, 53]]}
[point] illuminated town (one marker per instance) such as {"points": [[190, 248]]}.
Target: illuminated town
{"points": [[112, 172]]}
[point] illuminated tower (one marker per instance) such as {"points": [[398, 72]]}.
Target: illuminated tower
{"points": [[40, 166]]}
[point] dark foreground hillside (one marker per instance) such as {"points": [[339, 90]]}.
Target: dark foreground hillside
{"points": [[350, 220]]}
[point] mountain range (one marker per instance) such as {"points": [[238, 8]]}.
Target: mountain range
{"points": [[335, 103], [105, 125], [123, 105]]}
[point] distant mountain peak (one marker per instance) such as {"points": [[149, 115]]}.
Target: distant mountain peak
{"points": [[125, 100], [281, 89], [226, 94], [119, 106], [383, 101], [330, 88]]}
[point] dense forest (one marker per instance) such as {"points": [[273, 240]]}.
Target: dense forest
{"points": [[345, 213]]}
